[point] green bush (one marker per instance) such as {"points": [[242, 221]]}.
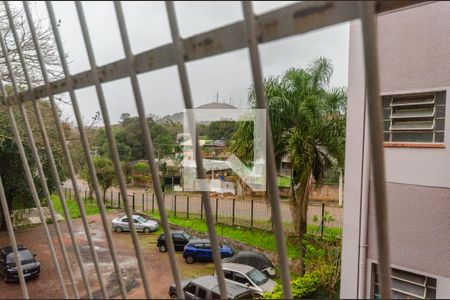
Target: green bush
{"points": [[323, 255], [141, 168], [302, 287], [140, 174]]}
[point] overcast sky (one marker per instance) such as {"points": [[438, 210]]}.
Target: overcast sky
{"points": [[228, 75]]}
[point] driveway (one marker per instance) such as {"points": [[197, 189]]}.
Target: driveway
{"points": [[47, 285]]}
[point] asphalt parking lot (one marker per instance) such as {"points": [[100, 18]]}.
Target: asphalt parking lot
{"points": [[47, 285]]}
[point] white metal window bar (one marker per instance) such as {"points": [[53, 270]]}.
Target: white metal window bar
{"points": [[253, 30]]}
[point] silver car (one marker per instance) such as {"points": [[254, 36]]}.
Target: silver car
{"points": [[249, 277], [141, 223]]}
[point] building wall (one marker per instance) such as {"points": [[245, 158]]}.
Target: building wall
{"points": [[414, 56], [414, 48], [354, 166], [419, 227]]}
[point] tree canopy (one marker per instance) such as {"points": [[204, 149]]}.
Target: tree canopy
{"points": [[17, 190], [16, 187], [128, 138], [308, 126], [105, 174]]}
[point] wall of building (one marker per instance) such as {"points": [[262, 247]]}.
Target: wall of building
{"points": [[414, 55], [356, 145], [414, 47], [419, 227]]}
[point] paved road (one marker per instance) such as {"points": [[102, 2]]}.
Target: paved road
{"points": [[242, 207]]}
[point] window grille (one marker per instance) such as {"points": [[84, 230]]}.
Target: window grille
{"points": [[414, 118], [297, 18], [406, 285]]}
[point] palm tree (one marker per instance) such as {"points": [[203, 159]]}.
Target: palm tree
{"points": [[308, 125]]}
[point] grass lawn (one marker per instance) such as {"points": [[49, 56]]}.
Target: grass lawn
{"points": [[256, 238], [91, 208], [284, 182]]}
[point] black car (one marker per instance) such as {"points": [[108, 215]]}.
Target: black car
{"points": [[180, 239], [207, 287], [8, 269], [255, 259]]}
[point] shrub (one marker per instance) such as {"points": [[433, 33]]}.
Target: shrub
{"points": [[141, 168], [323, 255], [140, 174], [140, 179], [302, 287]]}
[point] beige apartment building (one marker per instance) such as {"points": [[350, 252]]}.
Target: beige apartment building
{"points": [[414, 57]]}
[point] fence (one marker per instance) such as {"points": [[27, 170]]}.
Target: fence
{"points": [[250, 213]]}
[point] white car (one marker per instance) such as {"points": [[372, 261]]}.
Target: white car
{"points": [[248, 276], [141, 223]]}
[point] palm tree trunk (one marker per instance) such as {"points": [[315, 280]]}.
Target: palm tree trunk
{"points": [[302, 250], [299, 201]]}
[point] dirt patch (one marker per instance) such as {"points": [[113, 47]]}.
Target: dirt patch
{"points": [[47, 286], [129, 278]]}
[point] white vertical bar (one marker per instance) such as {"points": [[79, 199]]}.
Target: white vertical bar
{"points": [[12, 240], [113, 148], [185, 87], [25, 161], [375, 124], [66, 153], [86, 149], [148, 146], [274, 194]]}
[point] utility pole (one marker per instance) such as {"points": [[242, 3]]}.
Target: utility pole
{"points": [[158, 150]]}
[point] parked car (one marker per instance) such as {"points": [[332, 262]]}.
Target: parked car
{"points": [[207, 287], [8, 269], [255, 259], [142, 224], [248, 276], [200, 250], [180, 240]]}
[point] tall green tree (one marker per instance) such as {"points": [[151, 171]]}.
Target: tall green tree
{"points": [[221, 130], [105, 174], [17, 191], [16, 187], [128, 138], [308, 125]]}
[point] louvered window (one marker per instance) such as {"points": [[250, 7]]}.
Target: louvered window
{"points": [[414, 118], [406, 285]]}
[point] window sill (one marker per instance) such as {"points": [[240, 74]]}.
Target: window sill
{"points": [[413, 145]]}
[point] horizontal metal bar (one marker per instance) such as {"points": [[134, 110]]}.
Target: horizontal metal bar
{"points": [[291, 20]]}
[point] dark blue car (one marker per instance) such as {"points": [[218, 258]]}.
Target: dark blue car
{"points": [[200, 250]]}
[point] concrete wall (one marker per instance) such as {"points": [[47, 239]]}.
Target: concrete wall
{"points": [[354, 166], [419, 227], [414, 47], [414, 55]]}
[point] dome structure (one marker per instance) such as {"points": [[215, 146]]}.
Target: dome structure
{"points": [[216, 105]]}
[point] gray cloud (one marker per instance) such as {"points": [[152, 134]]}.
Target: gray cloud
{"points": [[228, 74]]}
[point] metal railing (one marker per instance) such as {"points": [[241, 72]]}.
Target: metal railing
{"points": [[253, 30]]}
